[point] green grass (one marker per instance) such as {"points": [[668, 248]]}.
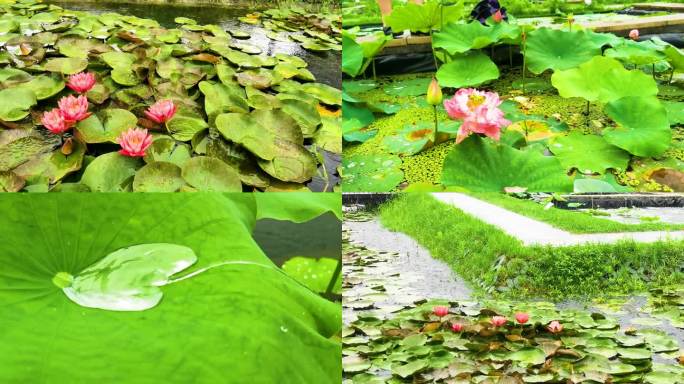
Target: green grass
{"points": [[496, 263], [571, 221]]}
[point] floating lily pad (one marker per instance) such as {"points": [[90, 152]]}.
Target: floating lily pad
{"points": [[165, 149], [292, 162], [371, 173], [66, 65], [412, 87], [111, 172], [209, 174], [220, 98], [185, 125], [44, 86], [106, 126], [305, 114], [15, 103], [158, 176]]}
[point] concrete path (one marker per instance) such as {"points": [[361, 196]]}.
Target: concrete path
{"points": [[534, 232]]}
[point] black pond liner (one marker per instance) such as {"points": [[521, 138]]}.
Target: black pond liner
{"points": [[623, 200], [368, 199]]}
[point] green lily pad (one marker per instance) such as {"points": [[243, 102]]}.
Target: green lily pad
{"points": [[158, 176], [292, 162], [467, 70], [371, 173], [66, 65], [220, 98], [411, 87], [184, 125], [209, 174], [165, 149], [409, 369], [15, 103], [329, 136], [480, 165], [116, 121], [643, 128], [675, 111], [305, 114], [588, 153], [323, 92], [44, 86], [111, 172], [559, 49], [603, 79], [529, 356]]}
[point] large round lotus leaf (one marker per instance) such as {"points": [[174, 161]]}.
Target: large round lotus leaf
{"points": [[167, 150], [423, 17], [45, 86], [292, 162], [467, 70], [15, 103], [352, 56], [675, 111], [71, 232], [639, 53], [462, 37], [603, 79], [642, 127], [411, 87], [209, 174], [258, 78], [323, 92], [371, 173], [558, 49], [280, 123], [106, 125], [306, 115], [66, 65], [480, 165], [588, 153], [185, 125], [111, 172], [220, 98], [158, 176], [244, 129]]}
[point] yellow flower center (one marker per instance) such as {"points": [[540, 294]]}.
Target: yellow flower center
{"points": [[475, 101]]}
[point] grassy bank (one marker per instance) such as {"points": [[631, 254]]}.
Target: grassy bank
{"points": [[497, 263], [571, 221]]}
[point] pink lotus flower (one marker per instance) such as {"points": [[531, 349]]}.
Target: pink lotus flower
{"points": [[522, 317], [440, 310], [161, 111], [497, 16], [74, 108], [479, 111], [54, 122], [498, 321], [634, 34], [134, 142], [81, 82], [555, 327], [457, 327]]}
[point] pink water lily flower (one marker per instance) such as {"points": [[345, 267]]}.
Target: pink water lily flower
{"points": [[479, 111], [161, 111], [497, 16], [522, 317], [498, 321], [457, 327], [134, 142], [81, 82], [634, 34], [74, 108], [440, 310], [54, 122], [555, 327]]}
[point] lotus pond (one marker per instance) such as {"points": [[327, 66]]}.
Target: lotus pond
{"points": [[570, 110], [392, 336], [247, 101], [175, 290]]}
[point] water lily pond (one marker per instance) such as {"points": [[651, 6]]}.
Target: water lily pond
{"points": [[237, 99], [514, 106]]}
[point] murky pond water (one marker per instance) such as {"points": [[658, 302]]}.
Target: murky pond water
{"points": [[324, 65], [644, 215]]}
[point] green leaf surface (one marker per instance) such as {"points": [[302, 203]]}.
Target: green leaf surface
{"points": [[15, 103], [588, 153], [467, 70], [643, 128], [371, 173], [315, 274], [558, 49], [482, 166]]}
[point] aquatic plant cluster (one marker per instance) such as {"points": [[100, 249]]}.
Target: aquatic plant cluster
{"points": [[114, 102], [628, 83]]}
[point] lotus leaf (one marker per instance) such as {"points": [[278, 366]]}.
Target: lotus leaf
{"points": [[639, 53], [642, 127], [15, 103], [66, 65], [412, 87], [603, 79], [479, 165], [158, 176], [111, 172], [371, 173], [559, 49], [462, 37], [675, 112], [424, 17], [45, 325], [588, 153], [467, 70]]}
